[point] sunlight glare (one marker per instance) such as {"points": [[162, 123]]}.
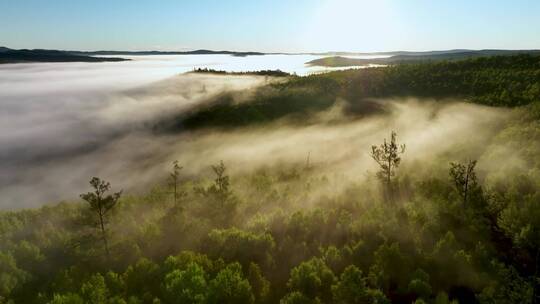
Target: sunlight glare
{"points": [[353, 25]]}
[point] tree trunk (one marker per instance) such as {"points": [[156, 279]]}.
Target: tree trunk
{"points": [[174, 191], [389, 182], [466, 189], [103, 234], [535, 278]]}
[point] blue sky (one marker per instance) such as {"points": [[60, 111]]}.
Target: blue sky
{"points": [[265, 25]]}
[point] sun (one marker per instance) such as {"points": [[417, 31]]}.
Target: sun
{"points": [[353, 25]]}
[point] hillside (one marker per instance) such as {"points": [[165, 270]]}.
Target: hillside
{"points": [[414, 183], [414, 57], [21, 56], [508, 81], [195, 52]]}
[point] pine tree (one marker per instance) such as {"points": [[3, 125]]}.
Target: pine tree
{"points": [[101, 204], [387, 155], [464, 179]]}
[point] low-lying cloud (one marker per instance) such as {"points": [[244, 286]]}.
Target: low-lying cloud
{"points": [[48, 139], [52, 144]]}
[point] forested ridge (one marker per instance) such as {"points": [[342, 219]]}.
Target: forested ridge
{"points": [[412, 57], [433, 231], [507, 81]]}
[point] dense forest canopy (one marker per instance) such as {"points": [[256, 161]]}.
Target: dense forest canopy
{"points": [[507, 81], [420, 227]]}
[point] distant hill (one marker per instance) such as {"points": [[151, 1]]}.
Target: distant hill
{"points": [[424, 53], [415, 57], [335, 59], [392, 53], [19, 56], [8, 55], [339, 61], [196, 52]]}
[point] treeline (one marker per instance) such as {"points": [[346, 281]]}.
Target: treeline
{"points": [[283, 234], [273, 73], [508, 81], [496, 81]]}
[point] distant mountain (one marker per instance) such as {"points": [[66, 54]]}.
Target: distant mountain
{"points": [[19, 56], [412, 57], [335, 59], [196, 52], [392, 53], [8, 55], [425, 53]]}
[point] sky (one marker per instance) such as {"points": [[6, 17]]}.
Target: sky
{"points": [[270, 25]]}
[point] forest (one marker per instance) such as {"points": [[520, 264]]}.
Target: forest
{"points": [[503, 81], [456, 221]]}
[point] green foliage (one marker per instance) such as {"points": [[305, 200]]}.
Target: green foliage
{"points": [[186, 286], [497, 81], [230, 287], [69, 298], [390, 268], [237, 245], [296, 297], [298, 96], [419, 284], [259, 284], [313, 279], [508, 288], [442, 298], [94, 290], [10, 275], [352, 288], [142, 278], [185, 258]]}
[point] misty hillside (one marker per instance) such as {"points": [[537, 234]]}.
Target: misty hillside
{"points": [[414, 183], [19, 56], [415, 57], [8, 55], [497, 81], [195, 52]]}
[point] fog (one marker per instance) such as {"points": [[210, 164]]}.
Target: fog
{"points": [[34, 79], [61, 124], [52, 114]]}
